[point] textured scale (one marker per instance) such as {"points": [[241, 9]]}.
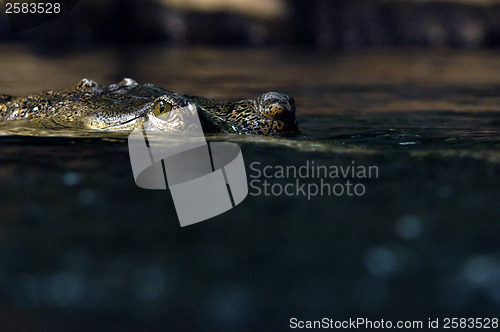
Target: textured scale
{"points": [[127, 105]]}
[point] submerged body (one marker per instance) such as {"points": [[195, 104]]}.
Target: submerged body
{"points": [[128, 105]]}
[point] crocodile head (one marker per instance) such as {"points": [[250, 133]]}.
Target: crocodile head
{"points": [[128, 105], [272, 113]]}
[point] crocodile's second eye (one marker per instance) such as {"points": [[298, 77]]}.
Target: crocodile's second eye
{"points": [[162, 108]]}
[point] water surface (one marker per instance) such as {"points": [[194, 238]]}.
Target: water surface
{"points": [[82, 246]]}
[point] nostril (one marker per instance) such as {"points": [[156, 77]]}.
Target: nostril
{"points": [[277, 106], [275, 111]]}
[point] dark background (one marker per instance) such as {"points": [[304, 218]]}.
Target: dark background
{"points": [[412, 87], [315, 24]]}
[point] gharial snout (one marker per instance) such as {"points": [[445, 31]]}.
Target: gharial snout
{"points": [[280, 108], [277, 106]]}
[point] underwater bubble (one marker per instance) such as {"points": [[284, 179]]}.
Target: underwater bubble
{"points": [[482, 270], [381, 261], [409, 227], [71, 178], [65, 288]]}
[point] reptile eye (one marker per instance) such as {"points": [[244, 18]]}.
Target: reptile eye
{"points": [[162, 108]]}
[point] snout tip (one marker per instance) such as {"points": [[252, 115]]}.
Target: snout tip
{"points": [[278, 106]]}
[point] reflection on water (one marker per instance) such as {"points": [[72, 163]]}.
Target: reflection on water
{"points": [[79, 238]]}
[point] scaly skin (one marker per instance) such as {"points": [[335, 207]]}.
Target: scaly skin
{"points": [[128, 105]]}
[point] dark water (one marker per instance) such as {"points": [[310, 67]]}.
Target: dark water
{"points": [[82, 247]]}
